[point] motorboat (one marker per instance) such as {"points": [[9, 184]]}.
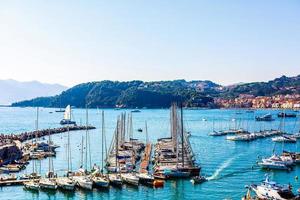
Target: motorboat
{"points": [[217, 133], [267, 117], [283, 114], [131, 179], [9, 177], [198, 180], [66, 183], [271, 190]]}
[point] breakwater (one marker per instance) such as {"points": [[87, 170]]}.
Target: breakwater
{"points": [[5, 139]]}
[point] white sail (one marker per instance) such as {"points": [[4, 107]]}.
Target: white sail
{"points": [[67, 114]]}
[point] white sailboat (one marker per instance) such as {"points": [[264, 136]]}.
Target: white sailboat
{"points": [[67, 183], [49, 182], [98, 177], [67, 120]]}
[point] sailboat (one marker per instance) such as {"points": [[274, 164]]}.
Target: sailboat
{"points": [[67, 120], [174, 157], [32, 184], [99, 178], [113, 167], [49, 181], [82, 179], [67, 183]]}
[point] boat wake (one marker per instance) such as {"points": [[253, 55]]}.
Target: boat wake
{"points": [[221, 168]]}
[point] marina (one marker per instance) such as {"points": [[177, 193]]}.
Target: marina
{"points": [[218, 171]]}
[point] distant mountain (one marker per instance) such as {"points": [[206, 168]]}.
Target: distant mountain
{"points": [[160, 94], [13, 91], [283, 85]]}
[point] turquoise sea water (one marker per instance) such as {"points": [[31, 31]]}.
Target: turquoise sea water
{"points": [[231, 165]]}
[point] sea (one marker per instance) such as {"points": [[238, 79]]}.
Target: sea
{"points": [[230, 166]]}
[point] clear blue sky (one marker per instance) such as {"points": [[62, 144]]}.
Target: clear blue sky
{"points": [[70, 42]]}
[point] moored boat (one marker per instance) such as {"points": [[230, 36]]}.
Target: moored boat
{"points": [[130, 179]]}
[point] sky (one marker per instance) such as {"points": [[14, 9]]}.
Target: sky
{"points": [[71, 42]]}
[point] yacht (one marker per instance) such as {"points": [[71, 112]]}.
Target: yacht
{"points": [[277, 162], [271, 190], [217, 133]]}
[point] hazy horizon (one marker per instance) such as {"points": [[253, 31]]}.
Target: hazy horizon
{"points": [[68, 43]]}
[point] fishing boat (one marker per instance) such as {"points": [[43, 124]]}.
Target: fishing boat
{"points": [[198, 180], [130, 179], [271, 190], [283, 114], [266, 117], [67, 120]]}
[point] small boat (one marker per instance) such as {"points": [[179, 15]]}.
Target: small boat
{"points": [[67, 120], [283, 114], [267, 117], [130, 179], [198, 180], [158, 183], [140, 130], [66, 183], [115, 180], [31, 185], [217, 133], [271, 190], [135, 111]]}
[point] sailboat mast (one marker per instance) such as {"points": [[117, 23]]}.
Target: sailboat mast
{"points": [[146, 129], [182, 141], [102, 139], [117, 144], [86, 137]]}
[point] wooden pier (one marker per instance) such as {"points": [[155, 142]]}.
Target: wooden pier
{"points": [[14, 182], [144, 166]]}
